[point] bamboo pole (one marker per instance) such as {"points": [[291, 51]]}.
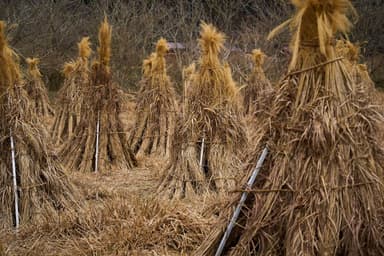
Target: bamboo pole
{"points": [[97, 141], [241, 203], [202, 153], [14, 174]]}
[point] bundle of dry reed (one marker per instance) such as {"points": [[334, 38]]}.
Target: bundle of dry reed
{"points": [[359, 71], [156, 108], [99, 141], [71, 95], [210, 136], [320, 191], [41, 190], [37, 91], [259, 91]]}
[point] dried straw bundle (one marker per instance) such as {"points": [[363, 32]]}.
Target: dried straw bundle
{"points": [[320, 191], [156, 108], [36, 90], [43, 187], [211, 112], [103, 102], [359, 72], [71, 95], [258, 93]]}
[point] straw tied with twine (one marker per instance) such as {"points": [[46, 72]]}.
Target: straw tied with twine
{"points": [[211, 121], [325, 152], [40, 189]]}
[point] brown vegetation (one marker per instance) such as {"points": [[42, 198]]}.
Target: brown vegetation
{"points": [[103, 102], [155, 109], [37, 91], [71, 95], [325, 169], [43, 188], [211, 125]]}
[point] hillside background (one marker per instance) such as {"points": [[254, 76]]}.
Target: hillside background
{"points": [[50, 29]]}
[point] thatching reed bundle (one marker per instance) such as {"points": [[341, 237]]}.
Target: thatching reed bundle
{"points": [[43, 187], [103, 102], [258, 92], [211, 114], [36, 90], [155, 109], [359, 72], [71, 95], [320, 190]]}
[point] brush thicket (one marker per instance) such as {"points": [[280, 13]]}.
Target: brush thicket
{"points": [[210, 112], [155, 109], [43, 188], [71, 95], [258, 92], [37, 91], [103, 102], [320, 190]]}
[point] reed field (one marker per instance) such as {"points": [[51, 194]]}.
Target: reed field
{"points": [[192, 128]]}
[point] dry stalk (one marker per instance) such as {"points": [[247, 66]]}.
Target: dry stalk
{"points": [[101, 97], [210, 111], [156, 108], [37, 91], [323, 135], [44, 191], [71, 95]]}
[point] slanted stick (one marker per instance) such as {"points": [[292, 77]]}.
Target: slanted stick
{"points": [[14, 173]]}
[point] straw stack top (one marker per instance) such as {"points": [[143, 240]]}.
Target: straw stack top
{"points": [[9, 68], [84, 47], [32, 67], [104, 49], [316, 22], [211, 43], [158, 60], [258, 57]]}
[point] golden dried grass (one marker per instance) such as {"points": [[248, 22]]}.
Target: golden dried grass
{"points": [[211, 111], [44, 190], [37, 90], [124, 219], [156, 108], [71, 96], [320, 190], [103, 102], [259, 92]]}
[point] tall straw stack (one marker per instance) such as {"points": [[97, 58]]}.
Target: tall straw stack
{"points": [[211, 114], [320, 190], [105, 147], [156, 108], [43, 189], [71, 95], [258, 92], [36, 90]]}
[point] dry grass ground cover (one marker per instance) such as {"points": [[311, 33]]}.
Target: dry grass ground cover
{"points": [[123, 218]]}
